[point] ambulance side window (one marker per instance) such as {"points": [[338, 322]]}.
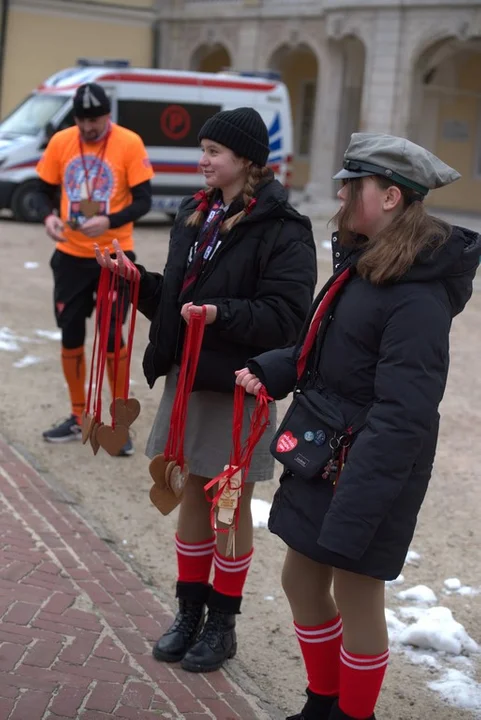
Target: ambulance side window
{"points": [[67, 122]]}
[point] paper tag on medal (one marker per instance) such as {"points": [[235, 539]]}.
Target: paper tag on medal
{"points": [[230, 546], [89, 208], [229, 499]]}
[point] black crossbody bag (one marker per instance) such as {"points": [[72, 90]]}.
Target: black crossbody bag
{"points": [[315, 435]]}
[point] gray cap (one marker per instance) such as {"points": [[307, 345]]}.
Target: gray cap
{"points": [[396, 159]]}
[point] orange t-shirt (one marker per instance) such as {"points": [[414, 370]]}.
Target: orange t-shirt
{"points": [[111, 174]]}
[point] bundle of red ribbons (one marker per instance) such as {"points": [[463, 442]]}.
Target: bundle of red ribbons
{"points": [[111, 291], [170, 470]]}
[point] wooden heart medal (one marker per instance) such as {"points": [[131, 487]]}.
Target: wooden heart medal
{"points": [[123, 410], [170, 470], [225, 504]]}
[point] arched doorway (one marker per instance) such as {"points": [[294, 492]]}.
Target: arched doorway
{"points": [[211, 58], [446, 116], [298, 67]]}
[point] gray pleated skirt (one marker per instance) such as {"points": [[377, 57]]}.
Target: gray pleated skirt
{"points": [[208, 435]]}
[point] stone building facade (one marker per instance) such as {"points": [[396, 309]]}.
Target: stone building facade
{"points": [[406, 67], [410, 68]]}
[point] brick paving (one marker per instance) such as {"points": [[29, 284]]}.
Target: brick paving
{"points": [[77, 624]]}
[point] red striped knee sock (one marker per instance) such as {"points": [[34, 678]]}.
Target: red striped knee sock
{"points": [[194, 560], [230, 573], [320, 647], [361, 681]]}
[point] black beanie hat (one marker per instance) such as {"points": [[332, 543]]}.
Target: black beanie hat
{"points": [[90, 101], [242, 130]]}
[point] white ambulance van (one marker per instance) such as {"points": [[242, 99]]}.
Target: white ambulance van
{"points": [[165, 107]]}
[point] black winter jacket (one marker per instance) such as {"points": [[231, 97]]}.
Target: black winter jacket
{"points": [[387, 345], [261, 279]]}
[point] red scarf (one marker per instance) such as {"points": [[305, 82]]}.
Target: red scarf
{"points": [[333, 286]]}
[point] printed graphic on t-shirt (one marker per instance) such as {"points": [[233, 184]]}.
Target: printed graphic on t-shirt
{"points": [[97, 186]]}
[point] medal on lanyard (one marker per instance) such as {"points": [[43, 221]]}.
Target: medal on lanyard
{"points": [[88, 206], [170, 470], [225, 505]]}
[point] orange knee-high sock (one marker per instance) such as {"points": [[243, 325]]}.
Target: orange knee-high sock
{"points": [[73, 364], [118, 391]]}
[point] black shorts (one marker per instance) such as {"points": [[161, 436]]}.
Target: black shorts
{"points": [[75, 288]]}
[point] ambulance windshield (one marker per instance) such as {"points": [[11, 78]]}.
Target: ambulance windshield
{"points": [[32, 115]]}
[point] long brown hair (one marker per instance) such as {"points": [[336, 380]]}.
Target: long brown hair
{"points": [[255, 175], [388, 255]]}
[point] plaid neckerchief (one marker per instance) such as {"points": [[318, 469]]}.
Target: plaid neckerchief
{"points": [[205, 245]]}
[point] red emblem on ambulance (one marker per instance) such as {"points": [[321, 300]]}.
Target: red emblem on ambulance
{"points": [[175, 122]]}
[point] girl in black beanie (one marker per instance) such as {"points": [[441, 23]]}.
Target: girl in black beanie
{"points": [[242, 251]]}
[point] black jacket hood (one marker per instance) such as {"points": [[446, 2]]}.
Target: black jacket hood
{"points": [[271, 201], [454, 264]]}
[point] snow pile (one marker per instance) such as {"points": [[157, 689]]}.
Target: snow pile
{"points": [[260, 512], [420, 594], [436, 629], [454, 586], [27, 361], [30, 265], [413, 558], [458, 689], [49, 334], [8, 340]]}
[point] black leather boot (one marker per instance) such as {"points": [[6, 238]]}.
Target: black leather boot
{"points": [[183, 633], [338, 714], [217, 641], [317, 707]]}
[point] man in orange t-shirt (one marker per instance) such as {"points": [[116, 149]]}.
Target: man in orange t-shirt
{"points": [[103, 173]]}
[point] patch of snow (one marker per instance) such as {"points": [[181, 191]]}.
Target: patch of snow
{"points": [[30, 265], [412, 613], [49, 334], [26, 361], [269, 597], [394, 625], [419, 593], [8, 341], [417, 657], [458, 689], [260, 512], [436, 629], [467, 590], [397, 581], [326, 245], [412, 558], [452, 584]]}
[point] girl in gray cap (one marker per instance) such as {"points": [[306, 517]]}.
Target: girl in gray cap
{"points": [[359, 438], [240, 250]]}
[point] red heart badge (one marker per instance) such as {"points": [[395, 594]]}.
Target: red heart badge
{"points": [[286, 442]]}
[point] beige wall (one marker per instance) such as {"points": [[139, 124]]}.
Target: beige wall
{"points": [[40, 44], [462, 105]]}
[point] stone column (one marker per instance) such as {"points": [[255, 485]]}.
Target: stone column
{"points": [[381, 73], [325, 134]]}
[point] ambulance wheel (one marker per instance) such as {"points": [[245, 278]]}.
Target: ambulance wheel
{"points": [[24, 203]]}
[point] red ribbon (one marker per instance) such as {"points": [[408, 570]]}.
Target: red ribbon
{"points": [[317, 319], [103, 314], [110, 289], [174, 449], [203, 199], [241, 455], [97, 164], [250, 206]]}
